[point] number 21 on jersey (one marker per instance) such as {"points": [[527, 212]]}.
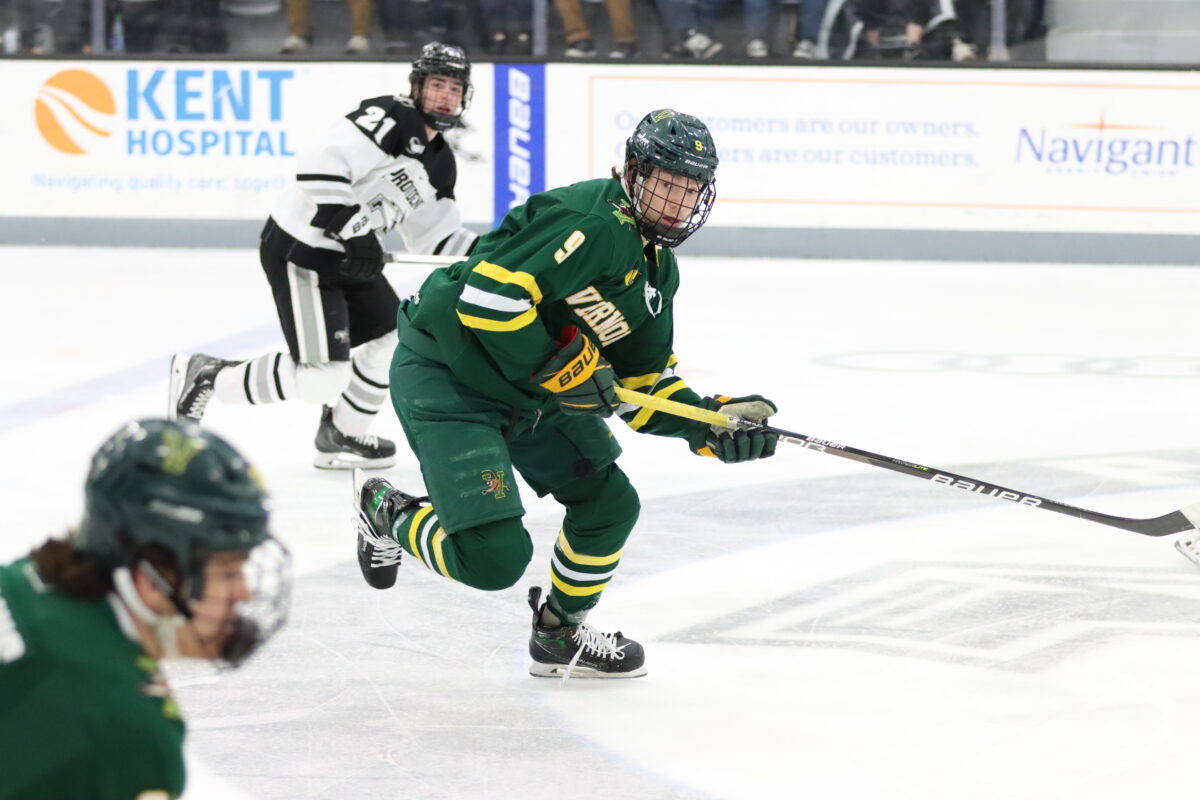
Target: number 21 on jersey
{"points": [[373, 120]]}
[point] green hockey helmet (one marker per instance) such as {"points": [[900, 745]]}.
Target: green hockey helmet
{"points": [[679, 144], [448, 61], [171, 484]]}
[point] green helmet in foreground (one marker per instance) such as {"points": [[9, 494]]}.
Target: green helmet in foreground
{"points": [[173, 485], [680, 144]]}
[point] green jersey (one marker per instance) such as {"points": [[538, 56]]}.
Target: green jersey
{"points": [[84, 712], [567, 257]]}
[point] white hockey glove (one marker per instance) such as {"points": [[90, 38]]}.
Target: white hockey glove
{"points": [[401, 193]]}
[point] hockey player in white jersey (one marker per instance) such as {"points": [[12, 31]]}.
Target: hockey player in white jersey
{"points": [[384, 165]]}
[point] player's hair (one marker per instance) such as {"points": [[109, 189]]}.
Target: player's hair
{"points": [[71, 573]]}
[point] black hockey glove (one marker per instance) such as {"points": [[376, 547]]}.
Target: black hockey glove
{"points": [[732, 446], [364, 254], [580, 378]]}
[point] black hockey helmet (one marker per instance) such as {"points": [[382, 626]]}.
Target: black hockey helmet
{"points": [[448, 61], [680, 144]]}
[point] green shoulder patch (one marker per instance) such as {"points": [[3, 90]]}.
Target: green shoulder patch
{"points": [[623, 213]]}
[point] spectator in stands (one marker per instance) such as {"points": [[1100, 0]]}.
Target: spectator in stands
{"points": [[690, 26], [756, 15], [579, 37], [399, 27], [142, 26], [147, 26], [920, 18], [190, 26], [1037, 20], [975, 21], [299, 37], [808, 27], [28, 26], [495, 24]]}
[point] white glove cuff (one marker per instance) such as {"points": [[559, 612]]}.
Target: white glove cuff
{"points": [[358, 225]]}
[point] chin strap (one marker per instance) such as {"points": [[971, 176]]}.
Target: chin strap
{"points": [[165, 626]]}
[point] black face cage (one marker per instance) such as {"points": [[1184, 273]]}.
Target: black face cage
{"points": [[436, 120], [663, 233]]}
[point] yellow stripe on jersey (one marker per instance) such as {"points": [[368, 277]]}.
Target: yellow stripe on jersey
{"points": [[588, 561], [575, 591], [438, 538], [414, 527], [637, 382], [643, 416], [483, 324], [502, 275]]}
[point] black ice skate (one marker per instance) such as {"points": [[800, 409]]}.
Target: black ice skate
{"points": [[192, 379], [337, 450], [376, 504], [580, 651]]}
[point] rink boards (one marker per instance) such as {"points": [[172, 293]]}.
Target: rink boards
{"points": [[814, 147]]}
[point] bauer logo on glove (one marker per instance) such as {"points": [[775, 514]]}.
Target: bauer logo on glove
{"points": [[578, 370], [580, 378]]}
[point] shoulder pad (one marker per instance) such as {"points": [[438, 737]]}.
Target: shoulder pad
{"points": [[392, 123]]}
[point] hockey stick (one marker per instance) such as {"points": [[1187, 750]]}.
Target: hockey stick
{"points": [[1186, 519], [416, 258]]}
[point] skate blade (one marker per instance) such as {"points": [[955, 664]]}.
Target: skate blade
{"points": [[347, 461], [357, 479], [539, 670], [179, 363]]}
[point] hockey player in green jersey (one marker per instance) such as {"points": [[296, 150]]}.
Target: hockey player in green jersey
{"points": [[508, 360], [172, 559]]}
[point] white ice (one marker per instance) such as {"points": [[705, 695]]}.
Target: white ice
{"points": [[815, 627]]}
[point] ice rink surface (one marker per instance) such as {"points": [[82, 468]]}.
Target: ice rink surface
{"points": [[815, 628]]}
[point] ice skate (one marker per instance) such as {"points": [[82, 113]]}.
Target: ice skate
{"points": [[191, 387], [376, 502], [337, 450], [580, 651]]}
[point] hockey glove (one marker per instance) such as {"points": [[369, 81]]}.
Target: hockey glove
{"points": [[580, 378], [732, 446], [364, 254]]}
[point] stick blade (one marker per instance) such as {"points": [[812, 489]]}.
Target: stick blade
{"points": [[1188, 544]]}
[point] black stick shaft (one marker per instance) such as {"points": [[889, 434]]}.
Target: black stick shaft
{"points": [[1177, 521], [1185, 519]]}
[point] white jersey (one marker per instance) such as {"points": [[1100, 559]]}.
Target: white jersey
{"points": [[379, 158]]}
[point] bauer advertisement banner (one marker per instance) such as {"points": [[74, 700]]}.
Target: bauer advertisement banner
{"points": [[188, 140], [929, 149]]}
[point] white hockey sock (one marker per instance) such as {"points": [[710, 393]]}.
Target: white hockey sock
{"points": [[367, 390], [266, 379]]}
